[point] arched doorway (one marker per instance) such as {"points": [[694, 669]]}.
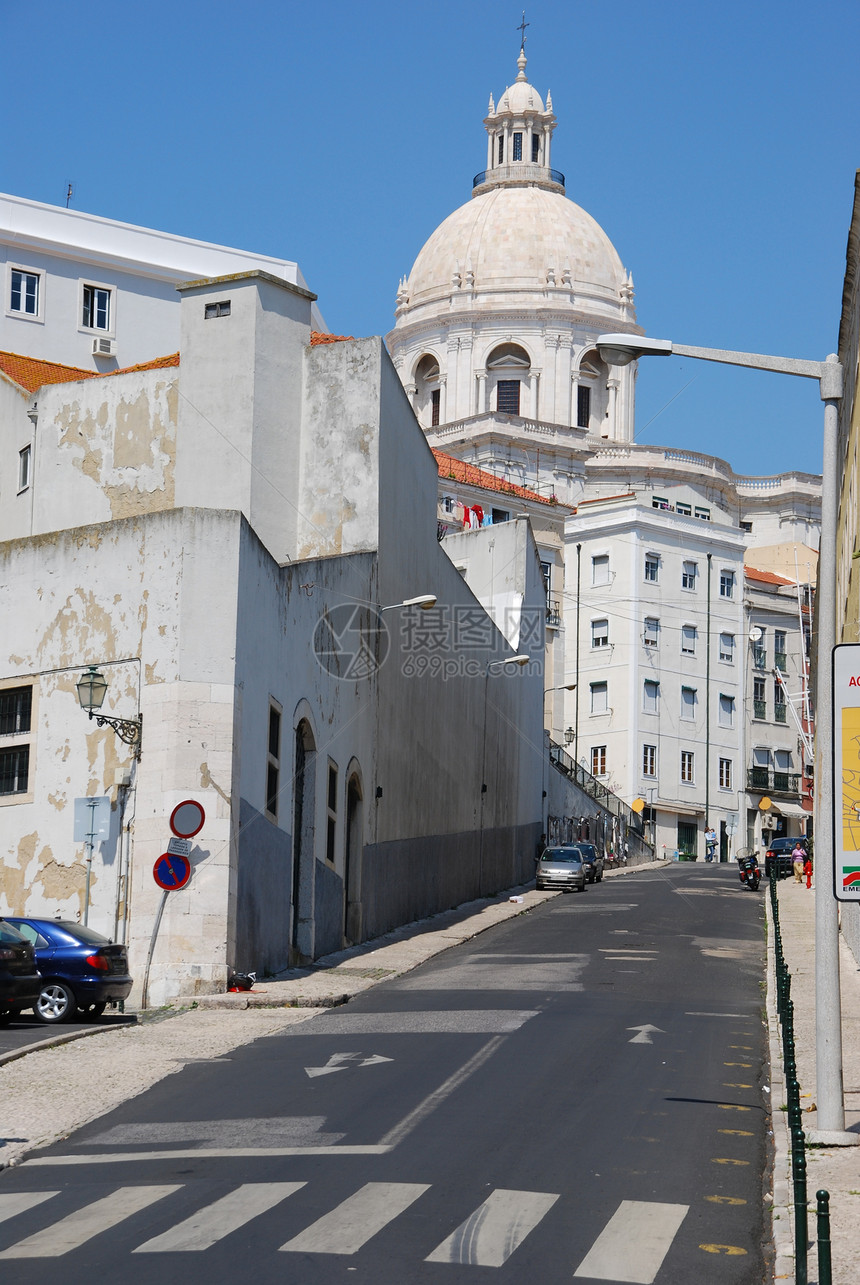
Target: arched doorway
{"points": [[304, 810], [428, 392], [352, 914], [509, 381]]}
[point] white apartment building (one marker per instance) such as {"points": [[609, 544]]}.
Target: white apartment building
{"points": [[98, 294]]}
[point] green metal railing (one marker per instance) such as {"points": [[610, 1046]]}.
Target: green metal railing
{"points": [[785, 1010]]}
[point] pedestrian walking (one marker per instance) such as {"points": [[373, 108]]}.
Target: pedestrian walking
{"points": [[710, 843], [798, 861], [807, 870]]}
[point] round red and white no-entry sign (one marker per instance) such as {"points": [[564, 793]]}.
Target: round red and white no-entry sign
{"points": [[187, 819]]}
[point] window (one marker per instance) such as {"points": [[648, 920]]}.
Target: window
{"points": [[331, 811], [599, 698], [657, 502], [727, 648], [727, 584], [96, 308], [652, 631], [518, 147], [535, 148], [778, 702], [212, 310], [273, 762], [689, 634], [759, 698], [688, 767], [16, 708], [448, 503], [649, 760], [435, 402], [727, 711], [683, 508], [688, 575], [501, 139], [598, 760], [779, 654], [688, 704], [501, 515], [600, 633], [24, 294], [652, 567], [16, 716], [508, 397], [600, 569], [688, 836], [583, 406], [14, 770], [704, 515], [651, 695], [24, 458], [745, 526], [725, 774]]}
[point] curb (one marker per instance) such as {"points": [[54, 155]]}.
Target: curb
{"points": [[66, 1037]]}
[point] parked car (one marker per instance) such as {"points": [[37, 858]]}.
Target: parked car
{"points": [[81, 971], [778, 855], [20, 982], [593, 857], [561, 868]]}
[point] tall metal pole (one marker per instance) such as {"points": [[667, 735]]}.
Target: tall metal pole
{"points": [[828, 1004], [708, 706], [576, 698]]}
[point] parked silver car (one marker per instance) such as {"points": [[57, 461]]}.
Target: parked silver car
{"points": [[561, 868]]}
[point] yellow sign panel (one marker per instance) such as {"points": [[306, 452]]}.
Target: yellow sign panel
{"points": [[637, 805]]}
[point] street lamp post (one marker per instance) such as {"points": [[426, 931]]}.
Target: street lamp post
{"points": [[92, 689], [619, 350]]}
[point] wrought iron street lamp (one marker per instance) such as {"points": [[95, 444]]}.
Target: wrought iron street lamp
{"points": [[92, 688]]}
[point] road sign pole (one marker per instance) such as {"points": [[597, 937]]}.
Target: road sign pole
{"points": [[144, 998]]}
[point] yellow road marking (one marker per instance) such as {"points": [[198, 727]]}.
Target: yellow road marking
{"points": [[731, 1250], [737, 1133], [725, 1200], [744, 1064], [727, 1106], [728, 1162], [748, 1047], [728, 1084]]}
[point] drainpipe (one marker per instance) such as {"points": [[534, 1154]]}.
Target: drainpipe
{"points": [[708, 700]]}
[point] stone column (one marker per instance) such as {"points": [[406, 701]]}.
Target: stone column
{"points": [[482, 392]]}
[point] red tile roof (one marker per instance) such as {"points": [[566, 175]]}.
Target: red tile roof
{"points": [[30, 373], [459, 471], [317, 337], [765, 577]]}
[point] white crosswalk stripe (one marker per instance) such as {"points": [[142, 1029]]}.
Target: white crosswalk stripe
{"points": [[84, 1224], [18, 1202], [634, 1242], [355, 1220], [219, 1219], [495, 1229]]}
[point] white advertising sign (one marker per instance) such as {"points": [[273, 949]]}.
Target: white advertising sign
{"points": [[846, 772], [92, 819]]}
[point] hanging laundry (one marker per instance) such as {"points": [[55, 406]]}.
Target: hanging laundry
{"points": [[467, 517], [479, 514], [488, 520]]}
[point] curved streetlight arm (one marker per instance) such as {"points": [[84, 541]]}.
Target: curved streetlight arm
{"points": [[619, 349]]}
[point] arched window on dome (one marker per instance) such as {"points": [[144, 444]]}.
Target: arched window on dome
{"points": [[508, 371], [591, 395], [428, 392]]}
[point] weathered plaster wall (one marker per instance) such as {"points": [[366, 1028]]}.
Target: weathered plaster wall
{"points": [[16, 433]]}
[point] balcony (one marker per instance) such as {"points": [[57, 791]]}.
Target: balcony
{"points": [[759, 709], [767, 780], [780, 660], [519, 171], [760, 657], [553, 613], [779, 713]]}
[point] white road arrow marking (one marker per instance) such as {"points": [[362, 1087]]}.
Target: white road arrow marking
{"points": [[334, 1063], [644, 1036]]}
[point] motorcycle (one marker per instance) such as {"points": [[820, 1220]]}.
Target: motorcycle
{"points": [[749, 874]]}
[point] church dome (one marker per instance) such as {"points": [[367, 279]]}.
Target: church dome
{"points": [[513, 241]]}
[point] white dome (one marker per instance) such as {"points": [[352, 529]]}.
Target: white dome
{"points": [[517, 240], [520, 99]]}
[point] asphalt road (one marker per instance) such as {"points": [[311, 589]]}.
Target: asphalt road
{"points": [[26, 1029], [576, 1093]]}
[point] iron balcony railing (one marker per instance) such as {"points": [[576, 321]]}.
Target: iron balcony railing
{"points": [[780, 660], [594, 788], [760, 657], [525, 168], [759, 709], [779, 713], [773, 781], [553, 612]]}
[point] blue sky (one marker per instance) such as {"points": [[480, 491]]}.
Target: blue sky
{"points": [[716, 144]]}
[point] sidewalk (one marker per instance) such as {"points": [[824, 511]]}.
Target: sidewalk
{"points": [[836, 1169], [55, 1089]]}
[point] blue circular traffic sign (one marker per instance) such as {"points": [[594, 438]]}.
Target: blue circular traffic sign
{"points": [[171, 871]]}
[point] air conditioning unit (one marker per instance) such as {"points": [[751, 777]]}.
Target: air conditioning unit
{"points": [[768, 821], [104, 347]]}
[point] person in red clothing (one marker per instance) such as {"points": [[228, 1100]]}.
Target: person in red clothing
{"points": [[807, 870]]}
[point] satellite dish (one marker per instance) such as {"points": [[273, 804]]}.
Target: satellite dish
{"points": [[755, 634]]}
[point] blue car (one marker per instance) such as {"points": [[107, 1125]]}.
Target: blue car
{"points": [[81, 971]]}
